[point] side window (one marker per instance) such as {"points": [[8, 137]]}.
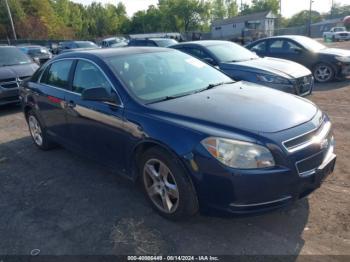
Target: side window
{"points": [[276, 46], [150, 43], [259, 47], [58, 74], [88, 76], [196, 52], [284, 46]]}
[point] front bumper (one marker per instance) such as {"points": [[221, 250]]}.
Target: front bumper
{"points": [[258, 190]]}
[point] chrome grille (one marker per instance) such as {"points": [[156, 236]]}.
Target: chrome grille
{"points": [[315, 136]]}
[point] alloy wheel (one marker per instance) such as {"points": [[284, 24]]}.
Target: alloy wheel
{"points": [[323, 73], [35, 130], [161, 186]]}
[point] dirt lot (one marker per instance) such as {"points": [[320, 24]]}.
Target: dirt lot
{"points": [[60, 203]]}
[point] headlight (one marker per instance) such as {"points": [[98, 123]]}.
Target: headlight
{"points": [[344, 59], [273, 79], [238, 154]]}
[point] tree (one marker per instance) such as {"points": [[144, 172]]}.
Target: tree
{"points": [[302, 18], [186, 15], [221, 9], [260, 6]]}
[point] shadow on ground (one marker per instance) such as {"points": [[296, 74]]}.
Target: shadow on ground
{"points": [[9, 109], [332, 85], [61, 203]]}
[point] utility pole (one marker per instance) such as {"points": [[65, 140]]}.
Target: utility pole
{"points": [[11, 21], [310, 18], [332, 8]]}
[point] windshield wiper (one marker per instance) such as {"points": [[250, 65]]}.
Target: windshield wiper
{"points": [[210, 86]]}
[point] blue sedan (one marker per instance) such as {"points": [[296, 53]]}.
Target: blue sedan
{"points": [[194, 139], [241, 64]]}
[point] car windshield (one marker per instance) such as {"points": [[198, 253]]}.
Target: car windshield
{"points": [[166, 42], [13, 56], [310, 44], [154, 77], [230, 52], [86, 44]]}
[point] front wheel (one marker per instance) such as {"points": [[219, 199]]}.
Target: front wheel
{"points": [[167, 186], [323, 73]]}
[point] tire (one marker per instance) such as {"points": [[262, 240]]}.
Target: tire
{"points": [[38, 132], [166, 185], [323, 73]]}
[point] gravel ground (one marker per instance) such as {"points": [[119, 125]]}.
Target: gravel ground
{"points": [[61, 203]]}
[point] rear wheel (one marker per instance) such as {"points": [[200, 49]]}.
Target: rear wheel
{"points": [[166, 185], [323, 73], [38, 132]]}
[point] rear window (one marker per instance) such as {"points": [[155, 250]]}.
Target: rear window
{"points": [[58, 74]]}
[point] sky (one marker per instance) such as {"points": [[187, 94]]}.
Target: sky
{"points": [[289, 7]]}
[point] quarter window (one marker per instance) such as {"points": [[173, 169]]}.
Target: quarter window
{"points": [[58, 74], [89, 76]]}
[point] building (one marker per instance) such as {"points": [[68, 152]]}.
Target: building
{"points": [[317, 29], [259, 24]]}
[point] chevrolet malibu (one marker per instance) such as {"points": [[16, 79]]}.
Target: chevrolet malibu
{"points": [[194, 139]]}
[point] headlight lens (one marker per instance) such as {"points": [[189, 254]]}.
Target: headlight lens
{"points": [[344, 59], [273, 79], [238, 154]]}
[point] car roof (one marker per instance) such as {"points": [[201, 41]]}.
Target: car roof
{"points": [[8, 46], [293, 37], [110, 52], [31, 46], [204, 43]]}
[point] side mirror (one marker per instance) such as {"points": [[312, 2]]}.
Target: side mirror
{"points": [[99, 94], [210, 61]]}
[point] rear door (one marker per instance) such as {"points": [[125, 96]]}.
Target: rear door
{"points": [[50, 96], [95, 127], [290, 50]]}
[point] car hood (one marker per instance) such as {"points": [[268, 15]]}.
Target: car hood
{"points": [[15, 71], [275, 66], [242, 105], [335, 51]]}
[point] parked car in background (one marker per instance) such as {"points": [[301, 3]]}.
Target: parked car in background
{"points": [[161, 42], [325, 63], [241, 64], [41, 53], [337, 34], [15, 67], [70, 46], [193, 138], [114, 42]]}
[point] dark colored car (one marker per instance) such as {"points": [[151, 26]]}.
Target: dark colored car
{"points": [[325, 63], [161, 42], [37, 52], [14, 68], [195, 139], [70, 46], [114, 42], [241, 64]]}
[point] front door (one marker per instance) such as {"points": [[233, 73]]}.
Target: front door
{"points": [[95, 127]]}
